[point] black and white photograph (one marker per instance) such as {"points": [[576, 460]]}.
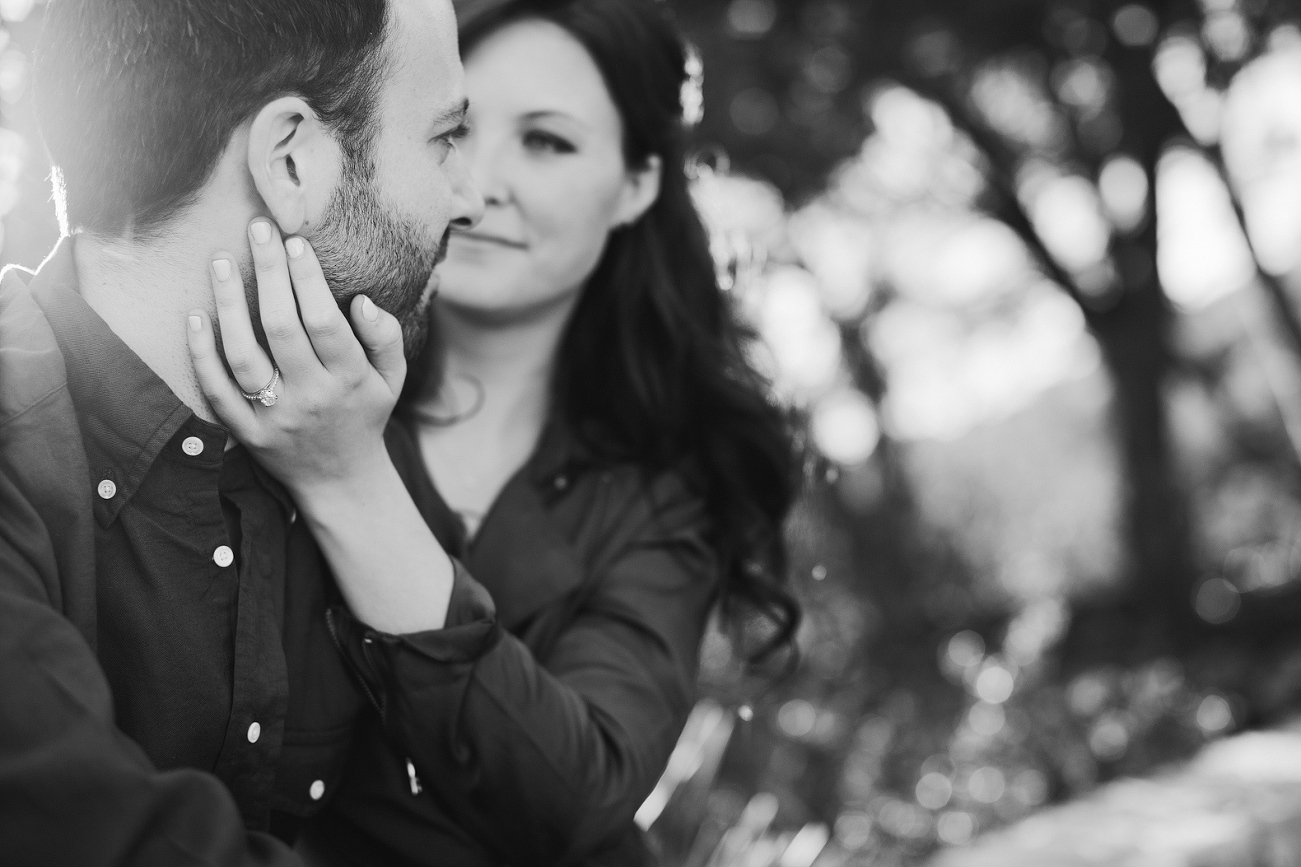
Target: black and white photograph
{"points": [[650, 433]]}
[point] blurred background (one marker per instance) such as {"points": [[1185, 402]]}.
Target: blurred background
{"points": [[1030, 273]]}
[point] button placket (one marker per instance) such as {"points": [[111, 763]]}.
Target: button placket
{"points": [[251, 750]]}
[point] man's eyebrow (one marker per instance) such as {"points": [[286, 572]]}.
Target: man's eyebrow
{"points": [[452, 116]]}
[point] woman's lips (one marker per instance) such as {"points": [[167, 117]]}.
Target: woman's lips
{"points": [[485, 238]]}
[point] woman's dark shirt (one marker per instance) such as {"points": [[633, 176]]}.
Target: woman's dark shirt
{"points": [[546, 744]]}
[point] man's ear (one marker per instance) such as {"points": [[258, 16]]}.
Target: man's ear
{"points": [[640, 190], [294, 161]]}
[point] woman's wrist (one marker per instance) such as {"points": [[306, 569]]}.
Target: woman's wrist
{"points": [[394, 574], [362, 484]]}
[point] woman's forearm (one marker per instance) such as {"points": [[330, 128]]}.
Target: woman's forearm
{"points": [[394, 575]]}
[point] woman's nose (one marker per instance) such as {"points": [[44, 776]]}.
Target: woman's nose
{"points": [[481, 158], [468, 201]]}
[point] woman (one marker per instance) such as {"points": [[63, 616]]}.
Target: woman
{"points": [[600, 458]]}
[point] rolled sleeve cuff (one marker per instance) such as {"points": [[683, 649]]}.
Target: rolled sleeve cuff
{"points": [[380, 659], [471, 620]]}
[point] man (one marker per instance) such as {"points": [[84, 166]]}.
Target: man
{"points": [[171, 684]]}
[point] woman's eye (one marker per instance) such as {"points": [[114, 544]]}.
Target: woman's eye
{"points": [[536, 140]]}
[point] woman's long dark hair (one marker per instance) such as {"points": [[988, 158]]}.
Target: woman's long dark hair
{"points": [[653, 367]]}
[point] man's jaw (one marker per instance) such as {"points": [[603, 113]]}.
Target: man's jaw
{"points": [[442, 247]]}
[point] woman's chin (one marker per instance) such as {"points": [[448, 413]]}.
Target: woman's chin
{"points": [[473, 300], [460, 292]]}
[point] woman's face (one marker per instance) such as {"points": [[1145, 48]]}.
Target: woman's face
{"points": [[546, 150]]}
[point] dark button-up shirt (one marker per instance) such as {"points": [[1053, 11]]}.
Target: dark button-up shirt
{"points": [[137, 553], [194, 573]]}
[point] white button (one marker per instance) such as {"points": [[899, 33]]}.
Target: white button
{"points": [[107, 490], [317, 791], [223, 556], [193, 446], [254, 732], [561, 483]]}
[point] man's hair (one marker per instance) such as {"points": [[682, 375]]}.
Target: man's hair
{"points": [[137, 99]]}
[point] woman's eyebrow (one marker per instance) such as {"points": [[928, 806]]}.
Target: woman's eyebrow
{"points": [[542, 113]]}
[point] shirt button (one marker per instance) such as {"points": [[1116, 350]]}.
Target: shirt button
{"points": [[193, 446], [561, 482], [223, 556], [254, 732], [317, 791], [107, 490]]}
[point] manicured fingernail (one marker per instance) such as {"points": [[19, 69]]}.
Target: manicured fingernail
{"points": [[369, 310], [196, 324], [294, 247], [221, 267], [261, 231]]}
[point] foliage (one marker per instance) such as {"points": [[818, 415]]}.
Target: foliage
{"points": [[1024, 286]]}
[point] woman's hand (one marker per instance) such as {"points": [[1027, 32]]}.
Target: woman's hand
{"points": [[323, 433], [335, 390]]}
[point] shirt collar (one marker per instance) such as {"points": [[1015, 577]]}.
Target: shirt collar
{"points": [[127, 413]]}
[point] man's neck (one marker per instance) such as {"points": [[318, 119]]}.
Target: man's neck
{"points": [[145, 292]]}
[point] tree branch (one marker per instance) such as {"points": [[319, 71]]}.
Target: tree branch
{"points": [[1009, 207]]}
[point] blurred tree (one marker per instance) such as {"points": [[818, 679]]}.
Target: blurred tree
{"points": [[1070, 104]]}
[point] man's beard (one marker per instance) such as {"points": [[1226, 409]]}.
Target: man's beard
{"points": [[366, 249]]}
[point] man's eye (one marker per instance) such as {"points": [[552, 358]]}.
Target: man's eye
{"points": [[453, 136], [536, 140]]}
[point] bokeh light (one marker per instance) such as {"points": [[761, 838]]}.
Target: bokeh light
{"points": [[1123, 186], [1202, 255], [845, 428], [1135, 25], [1262, 150]]}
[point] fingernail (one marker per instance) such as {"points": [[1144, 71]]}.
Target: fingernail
{"points": [[221, 267], [261, 231], [294, 247], [369, 310], [196, 324]]}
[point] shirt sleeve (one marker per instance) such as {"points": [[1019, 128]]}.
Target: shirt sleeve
{"points": [[543, 763], [73, 788]]}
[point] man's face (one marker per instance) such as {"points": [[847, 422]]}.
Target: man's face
{"points": [[385, 226]]}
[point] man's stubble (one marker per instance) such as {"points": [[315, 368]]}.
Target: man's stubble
{"points": [[365, 248]]}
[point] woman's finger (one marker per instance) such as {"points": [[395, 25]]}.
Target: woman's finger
{"points": [[381, 336], [223, 395], [277, 307], [326, 326], [249, 364]]}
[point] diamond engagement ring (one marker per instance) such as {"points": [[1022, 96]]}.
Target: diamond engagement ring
{"points": [[267, 396]]}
